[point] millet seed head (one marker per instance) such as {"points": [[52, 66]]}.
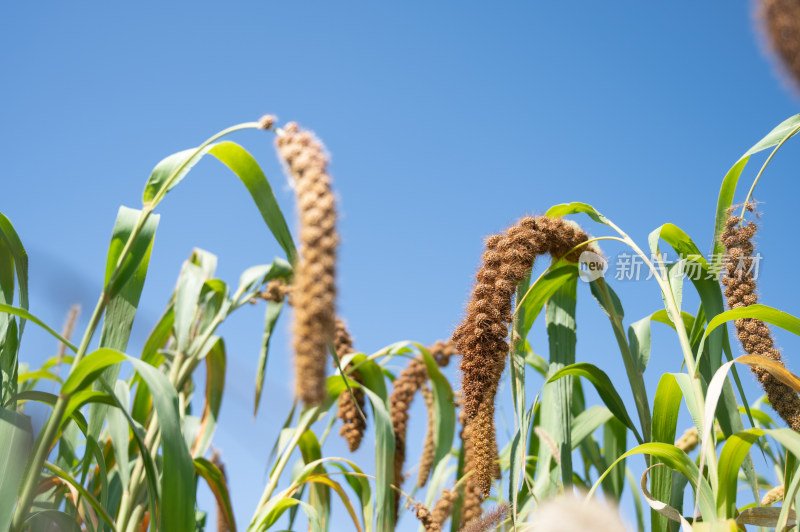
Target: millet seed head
{"points": [[314, 287], [755, 335]]}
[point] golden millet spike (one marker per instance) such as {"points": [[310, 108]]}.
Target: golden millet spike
{"points": [[314, 286]]}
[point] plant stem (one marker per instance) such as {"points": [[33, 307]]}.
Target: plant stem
{"points": [[761, 171]]}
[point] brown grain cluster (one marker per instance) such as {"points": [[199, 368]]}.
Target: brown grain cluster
{"points": [[351, 413], [473, 498], [481, 337], [780, 21], [755, 336], [405, 387], [492, 518], [432, 521], [277, 291], [688, 440], [429, 448], [314, 288]]}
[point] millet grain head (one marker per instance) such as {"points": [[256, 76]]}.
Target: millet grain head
{"points": [[481, 336], [779, 21], [688, 440], [428, 448], [489, 521], [404, 388], [755, 336], [314, 286], [444, 506], [353, 424]]}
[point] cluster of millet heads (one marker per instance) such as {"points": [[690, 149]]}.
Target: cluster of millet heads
{"points": [[755, 336], [481, 337], [405, 387], [314, 288]]}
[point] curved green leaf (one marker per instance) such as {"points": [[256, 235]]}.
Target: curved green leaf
{"points": [[605, 388], [764, 313], [247, 169]]}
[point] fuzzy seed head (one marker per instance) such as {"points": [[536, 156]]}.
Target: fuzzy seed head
{"points": [[314, 289], [569, 513], [492, 518], [353, 423], [780, 24], [688, 440], [772, 496], [755, 335], [481, 337]]}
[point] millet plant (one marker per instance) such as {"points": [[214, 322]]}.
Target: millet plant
{"points": [[121, 449]]}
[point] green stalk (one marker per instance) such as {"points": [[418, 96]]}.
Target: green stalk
{"points": [[686, 347], [761, 171]]}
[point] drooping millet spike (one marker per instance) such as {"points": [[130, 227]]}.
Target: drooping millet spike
{"points": [[432, 521], [404, 388], [350, 412], [755, 336], [780, 23], [314, 286], [481, 337], [428, 448]]}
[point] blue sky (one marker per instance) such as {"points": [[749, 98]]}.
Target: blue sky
{"points": [[445, 123]]}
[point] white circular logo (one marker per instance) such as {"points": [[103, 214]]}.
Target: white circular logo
{"points": [[591, 266]]}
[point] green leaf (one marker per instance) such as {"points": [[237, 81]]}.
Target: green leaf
{"points": [[13, 260], [320, 496], [562, 338], [534, 299], [85, 495], [639, 340], [666, 408], [219, 487], [190, 283], [588, 421], [215, 386], [13, 245], [760, 312], [118, 429], [247, 169], [127, 220], [676, 460], [557, 211], [614, 444], [443, 407], [517, 371], [22, 313], [121, 308], [169, 172], [611, 305], [605, 388], [16, 442], [273, 312], [177, 481], [87, 369]]}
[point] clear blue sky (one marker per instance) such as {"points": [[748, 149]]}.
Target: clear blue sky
{"points": [[445, 121]]}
